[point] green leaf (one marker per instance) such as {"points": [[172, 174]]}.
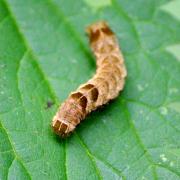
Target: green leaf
{"points": [[44, 55]]}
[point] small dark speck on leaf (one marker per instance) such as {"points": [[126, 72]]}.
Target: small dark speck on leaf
{"points": [[49, 104]]}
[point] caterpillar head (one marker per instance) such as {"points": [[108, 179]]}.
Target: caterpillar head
{"points": [[102, 39], [97, 30]]}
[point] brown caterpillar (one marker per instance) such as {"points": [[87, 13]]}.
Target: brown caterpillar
{"points": [[104, 86]]}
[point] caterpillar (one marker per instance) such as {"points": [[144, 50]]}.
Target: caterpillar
{"points": [[104, 86]]}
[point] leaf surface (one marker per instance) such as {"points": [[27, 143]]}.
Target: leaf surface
{"points": [[44, 55]]}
